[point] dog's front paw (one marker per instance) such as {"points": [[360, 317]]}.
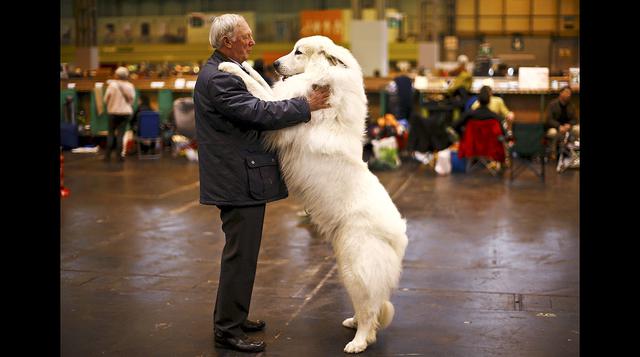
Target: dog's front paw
{"points": [[355, 347], [228, 67], [350, 323]]}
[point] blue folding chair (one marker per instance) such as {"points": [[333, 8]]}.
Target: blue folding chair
{"points": [[149, 133]]}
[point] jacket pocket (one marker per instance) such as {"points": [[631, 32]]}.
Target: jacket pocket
{"points": [[264, 176]]}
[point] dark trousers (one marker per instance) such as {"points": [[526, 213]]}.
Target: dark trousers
{"points": [[117, 125], [242, 227]]}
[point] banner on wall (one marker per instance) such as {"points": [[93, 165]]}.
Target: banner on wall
{"points": [[322, 22]]}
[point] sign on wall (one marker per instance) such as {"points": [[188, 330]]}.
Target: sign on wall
{"points": [[322, 22]]}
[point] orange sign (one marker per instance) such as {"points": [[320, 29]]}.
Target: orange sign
{"points": [[271, 56], [322, 22]]}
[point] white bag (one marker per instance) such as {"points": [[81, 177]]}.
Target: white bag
{"points": [[126, 138], [443, 162]]}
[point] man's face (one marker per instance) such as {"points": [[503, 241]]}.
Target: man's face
{"points": [[242, 43]]}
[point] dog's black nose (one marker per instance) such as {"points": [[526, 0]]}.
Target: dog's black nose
{"points": [[276, 64]]}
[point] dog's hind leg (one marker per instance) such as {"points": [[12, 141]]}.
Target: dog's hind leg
{"points": [[366, 304], [369, 271], [365, 318], [350, 322]]}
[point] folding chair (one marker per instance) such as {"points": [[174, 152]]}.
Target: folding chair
{"points": [[569, 156], [528, 149], [149, 132], [482, 142]]}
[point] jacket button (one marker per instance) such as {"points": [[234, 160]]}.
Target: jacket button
{"points": [[253, 162], [273, 160]]}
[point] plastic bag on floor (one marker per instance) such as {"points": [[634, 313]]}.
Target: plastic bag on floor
{"points": [[443, 162], [191, 154], [385, 152]]}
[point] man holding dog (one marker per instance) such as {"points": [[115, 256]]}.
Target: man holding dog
{"points": [[236, 173]]}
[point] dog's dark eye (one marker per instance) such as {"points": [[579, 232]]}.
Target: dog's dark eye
{"points": [[297, 52]]}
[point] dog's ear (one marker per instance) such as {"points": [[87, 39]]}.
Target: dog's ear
{"points": [[332, 59]]}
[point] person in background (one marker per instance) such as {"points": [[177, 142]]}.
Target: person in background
{"points": [[462, 82], [401, 92], [481, 113], [134, 124], [119, 99], [143, 105], [258, 65], [237, 173], [496, 105], [561, 118], [458, 90]]}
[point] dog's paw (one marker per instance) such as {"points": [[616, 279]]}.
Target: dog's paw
{"points": [[355, 347], [350, 323], [228, 67]]}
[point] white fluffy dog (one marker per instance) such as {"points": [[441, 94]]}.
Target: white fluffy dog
{"points": [[322, 165]]}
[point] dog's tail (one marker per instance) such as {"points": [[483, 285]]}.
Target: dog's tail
{"points": [[386, 314]]}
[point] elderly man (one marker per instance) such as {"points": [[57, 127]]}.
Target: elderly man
{"points": [[237, 174]]}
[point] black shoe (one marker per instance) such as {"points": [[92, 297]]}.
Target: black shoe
{"points": [[253, 326], [238, 343]]}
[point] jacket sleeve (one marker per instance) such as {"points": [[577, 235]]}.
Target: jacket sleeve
{"points": [[551, 115], [504, 111], [573, 114], [459, 125], [231, 98]]}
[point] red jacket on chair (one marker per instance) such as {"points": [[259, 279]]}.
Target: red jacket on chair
{"points": [[481, 138]]}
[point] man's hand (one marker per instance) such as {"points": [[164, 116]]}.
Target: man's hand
{"points": [[318, 98], [510, 117]]}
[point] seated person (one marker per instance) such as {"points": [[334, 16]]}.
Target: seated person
{"points": [[561, 118], [481, 113], [143, 105], [496, 105]]}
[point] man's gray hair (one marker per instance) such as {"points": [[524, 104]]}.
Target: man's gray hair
{"points": [[221, 26], [122, 72]]}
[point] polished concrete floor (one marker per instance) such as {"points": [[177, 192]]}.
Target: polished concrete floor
{"points": [[492, 267]]}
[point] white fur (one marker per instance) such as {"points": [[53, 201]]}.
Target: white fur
{"points": [[322, 165]]}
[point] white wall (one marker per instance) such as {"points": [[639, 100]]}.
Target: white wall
{"points": [[369, 46]]}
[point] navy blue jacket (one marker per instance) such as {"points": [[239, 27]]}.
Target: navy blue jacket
{"points": [[235, 169]]}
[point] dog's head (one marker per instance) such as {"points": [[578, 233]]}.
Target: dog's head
{"points": [[310, 50]]}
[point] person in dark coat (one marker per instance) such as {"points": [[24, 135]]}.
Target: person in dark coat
{"points": [[237, 174], [561, 118]]}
